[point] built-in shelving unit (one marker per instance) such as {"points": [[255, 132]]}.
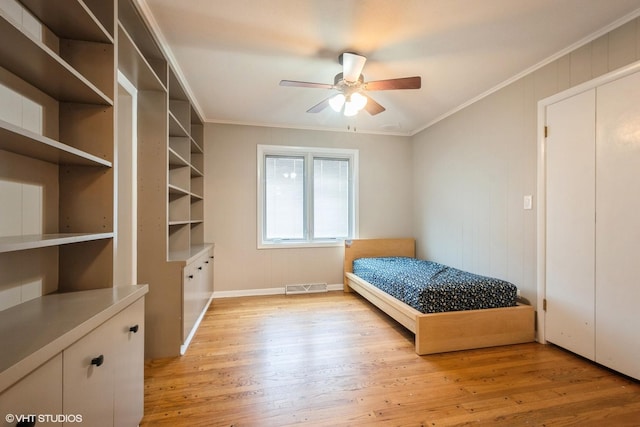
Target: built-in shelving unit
{"points": [[57, 175], [170, 189], [61, 58]]}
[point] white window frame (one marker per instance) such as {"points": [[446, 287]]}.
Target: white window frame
{"points": [[309, 153]]}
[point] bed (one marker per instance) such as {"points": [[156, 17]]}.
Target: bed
{"points": [[441, 331]]}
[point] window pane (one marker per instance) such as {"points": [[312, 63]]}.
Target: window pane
{"points": [[330, 198], [284, 197]]}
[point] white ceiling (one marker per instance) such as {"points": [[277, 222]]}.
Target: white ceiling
{"points": [[233, 53]]}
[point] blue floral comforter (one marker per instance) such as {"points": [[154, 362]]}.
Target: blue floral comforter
{"points": [[430, 287]]}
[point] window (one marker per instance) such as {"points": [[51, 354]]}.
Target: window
{"points": [[306, 196]]}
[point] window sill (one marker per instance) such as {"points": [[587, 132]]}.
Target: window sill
{"points": [[299, 245]]}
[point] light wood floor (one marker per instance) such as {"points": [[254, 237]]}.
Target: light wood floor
{"points": [[334, 360]]}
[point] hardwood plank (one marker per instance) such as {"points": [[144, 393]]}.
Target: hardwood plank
{"points": [[334, 359]]}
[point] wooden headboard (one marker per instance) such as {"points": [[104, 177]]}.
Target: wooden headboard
{"points": [[365, 248]]}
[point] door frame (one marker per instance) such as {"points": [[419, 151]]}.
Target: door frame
{"points": [[541, 223]]}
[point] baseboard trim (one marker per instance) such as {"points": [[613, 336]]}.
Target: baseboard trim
{"points": [[262, 292], [185, 345]]}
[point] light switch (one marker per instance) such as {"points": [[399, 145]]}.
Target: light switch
{"points": [[528, 202]]}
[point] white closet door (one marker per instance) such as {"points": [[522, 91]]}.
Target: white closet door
{"points": [[570, 251], [618, 226]]}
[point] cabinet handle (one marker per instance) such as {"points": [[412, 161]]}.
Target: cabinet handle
{"points": [[211, 257], [98, 361], [199, 268], [206, 262], [26, 423], [134, 329], [190, 276]]}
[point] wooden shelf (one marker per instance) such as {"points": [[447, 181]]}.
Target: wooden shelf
{"points": [[175, 127], [69, 19], [35, 241], [134, 65], [177, 190], [27, 143], [39, 66], [195, 171], [176, 159], [195, 147], [140, 36], [190, 254]]}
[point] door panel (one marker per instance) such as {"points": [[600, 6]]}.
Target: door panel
{"points": [[618, 225], [570, 248]]}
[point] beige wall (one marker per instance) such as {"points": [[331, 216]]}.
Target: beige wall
{"points": [[385, 192], [472, 169], [461, 182]]}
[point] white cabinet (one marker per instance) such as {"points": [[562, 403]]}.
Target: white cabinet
{"points": [[592, 223], [104, 372], [128, 399], [75, 354], [38, 393], [197, 284], [88, 377]]}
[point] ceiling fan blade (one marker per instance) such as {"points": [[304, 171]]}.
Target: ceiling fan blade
{"points": [[372, 106], [352, 65], [294, 83], [320, 105], [390, 84]]}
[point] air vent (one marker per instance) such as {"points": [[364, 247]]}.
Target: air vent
{"points": [[307, 288]]}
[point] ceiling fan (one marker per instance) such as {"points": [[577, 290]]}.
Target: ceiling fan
{"points": [[351, 87]]}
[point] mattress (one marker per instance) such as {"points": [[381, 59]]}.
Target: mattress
{"points": [[430, 287]]}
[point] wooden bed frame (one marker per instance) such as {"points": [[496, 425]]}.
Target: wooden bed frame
{"points": [[437, 332]]}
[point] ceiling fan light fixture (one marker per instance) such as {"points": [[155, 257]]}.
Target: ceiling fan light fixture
{"points": [[358, 100], [354, 103], [337, 102]]}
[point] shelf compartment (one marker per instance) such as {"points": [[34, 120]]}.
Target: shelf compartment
{"points": [[73, 19], [85, 199], [197, 186], [197, 209], [39, 66], [176, 91], [193, 251], [177, 190], [135, 26], [134, 65], [196, 147], [180, 111], [175, 127], [179, 236], [179, 177], [197, 163], [21, 141], [176, 160], [86, 266], [197, 233], [34, 241], [181, 147], [178, 208]]}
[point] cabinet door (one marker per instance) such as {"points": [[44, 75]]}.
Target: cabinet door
{"points": [[209, 276], [39, 393], [190, 285], [129, 365], [618, 226], [570, 233], [88, 367]]}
